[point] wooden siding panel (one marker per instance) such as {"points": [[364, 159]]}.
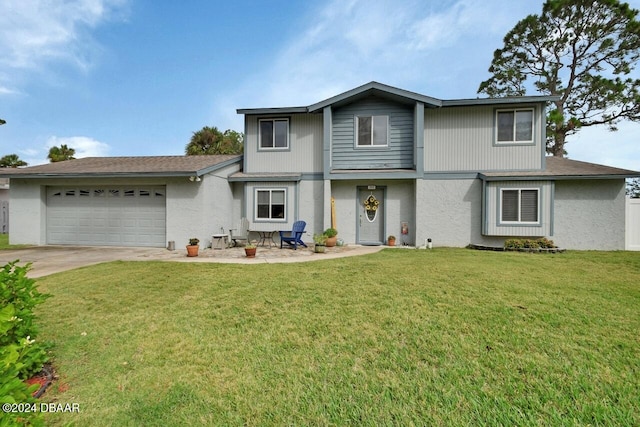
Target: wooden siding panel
{"points": [[399, 153], [305, 147], [462, 139]]}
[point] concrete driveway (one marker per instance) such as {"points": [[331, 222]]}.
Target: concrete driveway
{"points": [[54, 259]]}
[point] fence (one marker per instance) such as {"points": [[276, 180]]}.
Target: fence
{"points": [[4, 217], [633, 225]]}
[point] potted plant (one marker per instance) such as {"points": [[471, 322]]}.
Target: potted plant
{"points": [[391, 240], [250, 250], [192, 247], [331, 234], [320, 241]]}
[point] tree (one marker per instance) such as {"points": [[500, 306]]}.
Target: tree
{"points": [[60, 154], [211, 141], [633, 188], [11, 161], [581, 51]]}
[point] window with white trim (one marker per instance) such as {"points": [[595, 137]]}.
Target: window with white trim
{"points": [[514, 126], [519, 205], [270, 204], [274, 134], [372, 131]]}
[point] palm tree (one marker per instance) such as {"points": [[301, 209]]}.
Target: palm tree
{"points": [[60, 154], [209, 140], [11, 161]]}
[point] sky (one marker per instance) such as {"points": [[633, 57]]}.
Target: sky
{"points": [[139, 77]]}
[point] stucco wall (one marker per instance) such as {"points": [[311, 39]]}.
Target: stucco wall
{"points": [[27, 213], [589, 214], [449, 212]]}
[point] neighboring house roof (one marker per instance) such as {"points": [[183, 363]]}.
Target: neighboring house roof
{"points": [[126, 167], [396, 94], [561, 168]]}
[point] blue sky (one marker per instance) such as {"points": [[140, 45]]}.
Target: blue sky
{"points": [[138, 77]]}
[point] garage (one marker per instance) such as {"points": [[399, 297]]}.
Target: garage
{"points": [[106, 216]]}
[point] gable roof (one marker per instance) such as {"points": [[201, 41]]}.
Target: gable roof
{"points": [[561, 168], [394, 94], [148, 166]]}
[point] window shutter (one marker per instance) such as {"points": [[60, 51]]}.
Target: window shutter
{"points": [[529, 206], [510, 205]]}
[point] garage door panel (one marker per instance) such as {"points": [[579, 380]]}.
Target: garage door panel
{"points": [[125, 216]]}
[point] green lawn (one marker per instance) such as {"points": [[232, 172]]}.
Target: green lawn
{"points": [[4, 243], [401, 337]]}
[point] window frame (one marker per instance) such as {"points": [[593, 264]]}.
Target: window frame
{"points": [[270, 190], [371, 143], [273, 146], [514, 140], [519, 207]]}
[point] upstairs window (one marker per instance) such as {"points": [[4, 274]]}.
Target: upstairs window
{"points": [[520, 206], [372, 131], [274, 134], [270, 204], [514, 126]]}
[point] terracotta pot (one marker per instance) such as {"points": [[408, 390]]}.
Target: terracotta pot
{"points": [[331, 241], [391, 242], [192, 250], [250, 252]]}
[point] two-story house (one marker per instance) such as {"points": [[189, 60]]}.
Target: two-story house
{"points": [[399, 163], [377, 160]]}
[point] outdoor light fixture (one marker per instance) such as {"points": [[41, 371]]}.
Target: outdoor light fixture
{"points": [[195, 178]]}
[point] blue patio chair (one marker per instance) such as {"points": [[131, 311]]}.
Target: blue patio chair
{"points": [[293, 237]]}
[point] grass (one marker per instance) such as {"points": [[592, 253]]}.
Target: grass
{"points": [[4, 243], [402, 337]]}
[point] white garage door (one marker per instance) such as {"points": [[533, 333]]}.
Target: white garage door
{"points": [[106, 216]]}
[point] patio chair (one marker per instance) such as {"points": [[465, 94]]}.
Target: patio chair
{"points": [[293, 237], [241, 232]]}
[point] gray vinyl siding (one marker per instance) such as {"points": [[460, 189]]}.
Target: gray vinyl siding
{"points": [[492, 225], [397, 155], [463, 139], [305, 146]]}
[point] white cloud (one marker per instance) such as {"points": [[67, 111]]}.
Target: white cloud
{"points": [[415, 45], [84, 146], [33, 32]]}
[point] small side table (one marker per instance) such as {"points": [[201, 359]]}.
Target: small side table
{"points": [[220, 241]]}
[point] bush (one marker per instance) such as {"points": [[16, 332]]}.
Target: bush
{"points": [[541, 243], [20, 355]]}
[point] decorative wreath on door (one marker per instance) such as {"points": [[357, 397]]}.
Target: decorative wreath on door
{"points": [[371, 205]]}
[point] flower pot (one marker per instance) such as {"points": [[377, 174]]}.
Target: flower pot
{"points": [[319, 249], [331, 241], [250, 252], [192, 250], [391, 242]]}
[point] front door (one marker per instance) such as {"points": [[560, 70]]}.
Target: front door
{"points": [[370, 215]]}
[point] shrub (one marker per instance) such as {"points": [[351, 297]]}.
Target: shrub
{"points": [[20, 355], [542, 243], [330, 232]]}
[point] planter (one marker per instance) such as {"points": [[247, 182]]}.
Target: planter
{"points": [[250, 252], [192, 250], [331, 241], [320, 249], [391, 242]]}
